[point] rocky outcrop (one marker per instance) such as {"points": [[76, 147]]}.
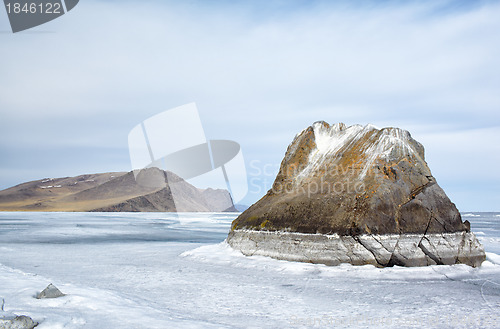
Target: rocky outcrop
{"points": [[12, 321], [17, 322], [359, 195], [50, 291]]}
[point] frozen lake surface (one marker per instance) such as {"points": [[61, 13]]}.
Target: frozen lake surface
{"points": [[157, 270]]}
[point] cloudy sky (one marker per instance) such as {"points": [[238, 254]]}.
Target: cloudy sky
{"points": [[259, 72]]}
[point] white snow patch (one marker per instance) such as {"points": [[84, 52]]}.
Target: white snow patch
{"points": [[493, 258], [222, 253], [81, 306], [130, 284], [393, 143], [330, 140], [471, 215]]}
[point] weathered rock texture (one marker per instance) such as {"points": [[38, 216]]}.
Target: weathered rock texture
{"points": [[379, 250], [10, 320], [358, 195], [50, 291], [17, 322]]}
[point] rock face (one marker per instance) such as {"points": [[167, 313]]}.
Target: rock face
{"points": [[50, 291], [12, 321], [358, 195]]}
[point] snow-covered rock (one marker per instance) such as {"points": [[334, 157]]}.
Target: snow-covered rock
{"points": [[50, 291], [359, 195], [12, 321], [17, 322]]}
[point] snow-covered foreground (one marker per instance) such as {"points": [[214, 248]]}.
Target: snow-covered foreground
{"points": [[156, 270]]}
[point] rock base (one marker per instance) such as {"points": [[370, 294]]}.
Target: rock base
{"points": [[379, 250]]}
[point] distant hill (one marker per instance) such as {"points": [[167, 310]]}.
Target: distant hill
{"points": [[153, 190], [241, 207]]}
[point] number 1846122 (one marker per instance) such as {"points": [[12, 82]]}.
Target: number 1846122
{"points": [[34, 8]]}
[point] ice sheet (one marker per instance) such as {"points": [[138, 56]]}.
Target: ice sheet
{"points": [[151, 270]]}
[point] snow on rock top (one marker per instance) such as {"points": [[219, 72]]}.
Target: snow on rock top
{"points": [[370, 143]]}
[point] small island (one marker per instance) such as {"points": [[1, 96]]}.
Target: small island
{"points": [[358, 195]]}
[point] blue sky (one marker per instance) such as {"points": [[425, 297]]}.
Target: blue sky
{"points": [[260, 72]]}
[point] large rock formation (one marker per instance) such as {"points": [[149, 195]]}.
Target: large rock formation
{"points": [[357, 195]]}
